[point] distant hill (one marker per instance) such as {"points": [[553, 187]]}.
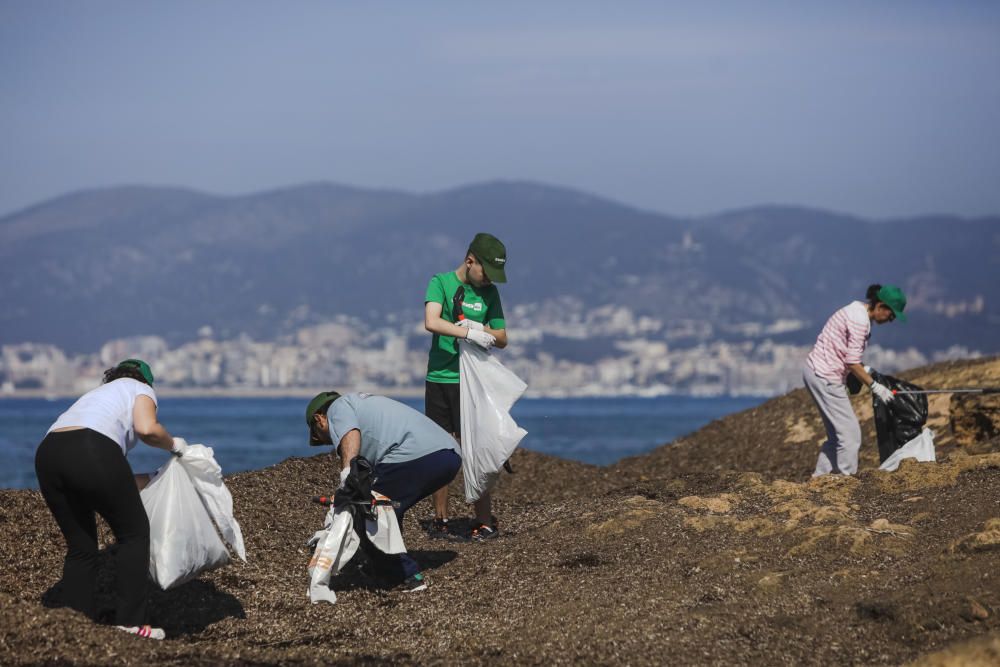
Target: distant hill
{"points": [[83, 268]]}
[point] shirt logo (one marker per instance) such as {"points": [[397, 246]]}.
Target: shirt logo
{"points": [[478, 306]]}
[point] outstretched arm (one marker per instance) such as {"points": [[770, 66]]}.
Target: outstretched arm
{"points": [[146, 426]]}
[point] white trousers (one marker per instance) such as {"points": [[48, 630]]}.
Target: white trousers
{"points": [[839, 453]]}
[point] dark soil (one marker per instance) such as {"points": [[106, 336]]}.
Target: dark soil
{"points": [[716, 550]]}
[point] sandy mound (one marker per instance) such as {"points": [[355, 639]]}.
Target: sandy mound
{"points": [[741, 560], [780, 438]]}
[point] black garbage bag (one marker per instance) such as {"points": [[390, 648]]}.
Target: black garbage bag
{"points": [[356, 494], [900, 421]]}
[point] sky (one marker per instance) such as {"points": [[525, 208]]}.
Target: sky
{"points": [[880, 109]]}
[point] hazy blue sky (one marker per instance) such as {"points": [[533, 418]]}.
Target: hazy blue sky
{"points": [[876, 108]]}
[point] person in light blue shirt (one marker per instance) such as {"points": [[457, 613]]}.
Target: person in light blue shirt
{"points": [[412, 457]]}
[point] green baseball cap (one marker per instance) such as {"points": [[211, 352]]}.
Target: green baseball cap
{"points": [[318, 402], [143, 367], [491, 254], [893, 297]]}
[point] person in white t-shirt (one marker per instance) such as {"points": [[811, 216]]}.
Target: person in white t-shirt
{"points": [[82, 470], [836, 354]]}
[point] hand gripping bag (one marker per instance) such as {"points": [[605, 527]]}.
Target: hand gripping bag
{"points": [[185, 503], [489, 434]]}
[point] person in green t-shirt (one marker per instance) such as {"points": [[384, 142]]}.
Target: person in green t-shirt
{"points": [[463, 303]]}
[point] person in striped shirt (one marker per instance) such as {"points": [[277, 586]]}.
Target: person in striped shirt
{"points": [[836, 354]]}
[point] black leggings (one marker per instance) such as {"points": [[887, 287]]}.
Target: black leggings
{"points": [[82, 472]]}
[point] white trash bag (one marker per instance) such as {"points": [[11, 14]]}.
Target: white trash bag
{"points": [[920, 448], [335, 546], [185, 502], [337, 543], [489, 434]]}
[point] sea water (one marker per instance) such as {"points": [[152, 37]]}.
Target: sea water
{"points": [[253, 433]]}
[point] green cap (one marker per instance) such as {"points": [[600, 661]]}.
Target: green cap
{"points": [[318, 402], [491, 254], [143, 367], [893, 297]]}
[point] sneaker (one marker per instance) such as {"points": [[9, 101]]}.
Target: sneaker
{"points": [[482, 532], [439, 530], [414, 583], [147, 631]]}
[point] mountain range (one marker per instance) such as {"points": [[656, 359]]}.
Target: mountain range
{"points": [[86, 267]]}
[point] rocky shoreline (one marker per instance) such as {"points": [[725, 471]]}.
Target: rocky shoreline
{"points": [[718, 549]]}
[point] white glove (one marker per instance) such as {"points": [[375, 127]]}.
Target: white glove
{"points": [[343, 477], [179, 447], [481, 338], [470, 324], [882, 392]]}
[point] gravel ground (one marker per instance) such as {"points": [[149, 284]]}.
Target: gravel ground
{"points": [[716, 550]]}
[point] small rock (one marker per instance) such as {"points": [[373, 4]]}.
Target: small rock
{"points": [[974, 611]]}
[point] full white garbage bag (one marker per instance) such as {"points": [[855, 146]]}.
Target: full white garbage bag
{"points": [[489, 434], [186, 502], [920, 448]]}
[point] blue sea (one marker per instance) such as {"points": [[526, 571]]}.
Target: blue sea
{"points": [[253, 433]]}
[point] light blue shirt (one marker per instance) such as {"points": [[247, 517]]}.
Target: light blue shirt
{"points": [[390, 431]]}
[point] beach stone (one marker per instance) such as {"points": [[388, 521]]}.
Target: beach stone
{"points": [[771, 580], [884, 526], [975, 611]]}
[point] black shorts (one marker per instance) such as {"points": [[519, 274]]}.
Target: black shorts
{"points": [[442, 405]]}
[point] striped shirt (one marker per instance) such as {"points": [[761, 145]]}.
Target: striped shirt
{"points": [[841, 342]]}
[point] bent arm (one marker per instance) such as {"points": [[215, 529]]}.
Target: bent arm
{"points": [[146, 426], [434, 323], [350, 447]]}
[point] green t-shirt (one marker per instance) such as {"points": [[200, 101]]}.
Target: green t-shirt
{"points": [[481, 304]]}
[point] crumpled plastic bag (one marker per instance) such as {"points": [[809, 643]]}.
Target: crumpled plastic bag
{"points": [[337, 543], [189, 507], [920, 448], [335, 547], [384, 531], [489, 434]]}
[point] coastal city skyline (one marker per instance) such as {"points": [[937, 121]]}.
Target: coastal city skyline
{"points": [[393, 361]]}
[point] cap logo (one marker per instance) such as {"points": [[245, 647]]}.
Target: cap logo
{"points": [[500, 260]]}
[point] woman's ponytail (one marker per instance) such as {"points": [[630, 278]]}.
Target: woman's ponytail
{"points": [[872, 294]]}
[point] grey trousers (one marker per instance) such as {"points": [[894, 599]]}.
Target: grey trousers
{"points": [[839, 453]]}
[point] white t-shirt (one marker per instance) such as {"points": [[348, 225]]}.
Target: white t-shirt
{"points": [[108, 410]]}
